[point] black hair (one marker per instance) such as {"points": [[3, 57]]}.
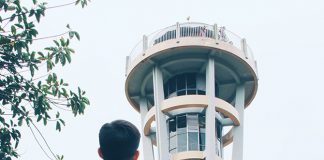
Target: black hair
{"points": [[119, 140]]}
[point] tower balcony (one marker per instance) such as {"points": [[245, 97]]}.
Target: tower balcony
{"points": [[183, 48]]}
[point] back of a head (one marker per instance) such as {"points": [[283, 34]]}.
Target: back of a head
{"points": [[118, 140]]}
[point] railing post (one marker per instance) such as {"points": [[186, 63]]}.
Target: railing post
{"points": [[244, 47], [127, 65], [145, 43], [177, 30], [216, 31]]}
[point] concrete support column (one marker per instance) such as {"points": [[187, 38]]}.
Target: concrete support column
{"points": [[148, 153], [210, 150], [238, 130], [160, 119]]}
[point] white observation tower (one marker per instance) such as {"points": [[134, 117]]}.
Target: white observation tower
{"points": [[191, 83]]}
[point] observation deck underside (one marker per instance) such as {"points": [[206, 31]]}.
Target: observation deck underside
{"points": [[190, 54]]}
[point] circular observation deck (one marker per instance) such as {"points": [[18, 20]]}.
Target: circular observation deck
{"points": [[185, 48]]}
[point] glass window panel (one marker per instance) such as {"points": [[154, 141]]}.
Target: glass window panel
{"points": [[218, 129], [182, 142], [193, 141], [181, 82], [202, 121], [216, 90], [173, 142], [181, 121], [172, 127], [200, 92], [202, 141], [182, 124], [172, 85], [182, 92], [191, 81], [166, 90], [202, 131], [192, 120], [191, 91]]}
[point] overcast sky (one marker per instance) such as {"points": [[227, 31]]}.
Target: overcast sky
{"points": [[284, 120]]}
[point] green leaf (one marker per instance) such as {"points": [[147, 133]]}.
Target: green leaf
{"points": [[37, 15], [49, 65], [44, 121], [56, 58], [77, 35], [19, 25], [71, 34], [39, 118], [31, 12], [13, 30], [61, 120], [32, 70], [11, 8], [57, 43], [77, 2], [20, 121], [58, 126], [68, 57], [41, 54], [67, 42], [23, 95], [54, 77], [62, 58], [62, 41]]}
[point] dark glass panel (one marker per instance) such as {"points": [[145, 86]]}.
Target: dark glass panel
{"points": [[218, 129], [200, 92], [172, 127], [182, 124], [191, 91], [181, 92], [181, 82], [216, 90], [172, 85], [166, 90], [191, 81]]}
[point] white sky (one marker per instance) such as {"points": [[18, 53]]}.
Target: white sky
{"points": [[284, 120]]}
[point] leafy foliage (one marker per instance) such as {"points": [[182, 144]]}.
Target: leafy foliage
{"points": [[25, 99]]}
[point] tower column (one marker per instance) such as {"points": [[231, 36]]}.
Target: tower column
{"points": [[160, 119], [148, 153], [238, 130], [210, 150]]}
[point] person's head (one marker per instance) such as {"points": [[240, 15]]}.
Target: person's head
{"points": [[119, 140]]}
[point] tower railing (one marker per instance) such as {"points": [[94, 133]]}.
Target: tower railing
{"points": [[191, 29]]}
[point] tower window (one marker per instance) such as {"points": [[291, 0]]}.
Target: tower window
{"points": [[187, 132], [183, 84]]}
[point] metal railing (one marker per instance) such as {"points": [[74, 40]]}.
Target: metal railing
{"points": [[190, 29]]}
